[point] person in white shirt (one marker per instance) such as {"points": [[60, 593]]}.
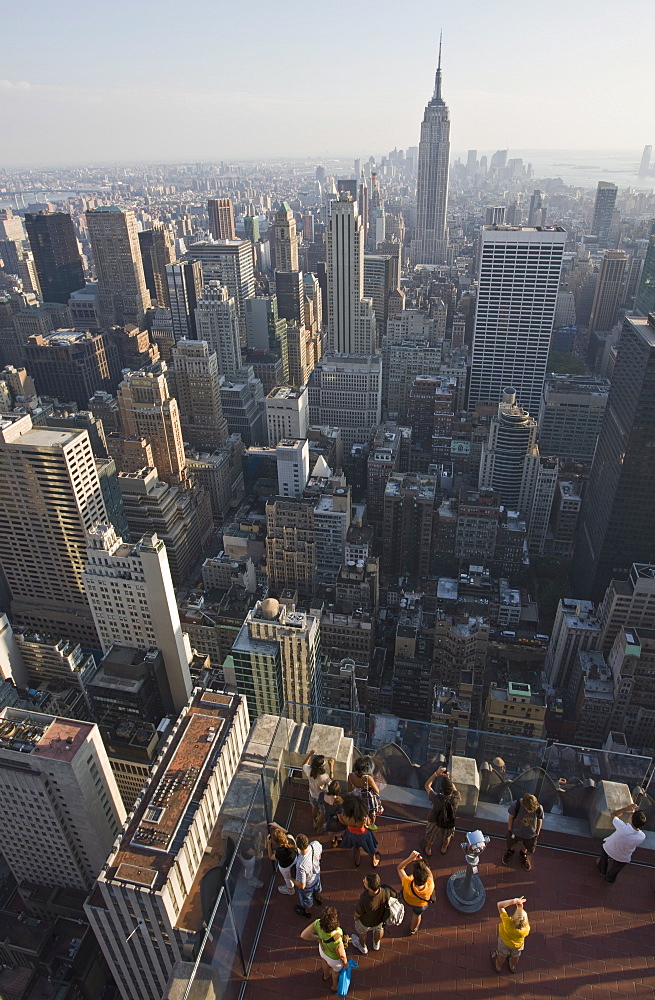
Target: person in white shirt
{"points": [[314, 769], [308, 875], [618, 848]]}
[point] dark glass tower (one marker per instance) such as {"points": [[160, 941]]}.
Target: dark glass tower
{"points": [[645, 300], [57, 258], [617, 527]]}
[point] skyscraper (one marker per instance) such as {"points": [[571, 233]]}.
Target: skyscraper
{"points": [[50, 497], [231, 263], [198, 393], [157, 250], [221, 218], [645, 300], [285, 239], [56, 254], [69, 365], [351, 320], [61, 807], [609, 286], [430, 242], [616, 523], [184, 281], [517, 294], [148, 410], [603, 211], [644, 166], [217, 322], [131, 595], [122, 293]]}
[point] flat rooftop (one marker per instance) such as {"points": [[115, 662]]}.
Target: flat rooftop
{"points": [[28, 732], [156, 831]]}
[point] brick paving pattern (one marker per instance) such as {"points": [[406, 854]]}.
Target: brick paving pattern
{"points": [[588, 939]]}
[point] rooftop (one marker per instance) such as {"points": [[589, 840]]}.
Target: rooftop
{"points": [[28, 732]]}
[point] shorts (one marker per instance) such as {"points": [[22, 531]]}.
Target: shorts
{"points": [[527, 845], [433, 829], [505, 950], [306, 895], [363, 930], [418, 910], [335, 963]]}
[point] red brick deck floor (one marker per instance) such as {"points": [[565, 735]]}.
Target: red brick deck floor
{"points": [[588, 939]]}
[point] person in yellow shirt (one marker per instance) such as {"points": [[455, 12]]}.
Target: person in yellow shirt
{"points": [[512, 932]]}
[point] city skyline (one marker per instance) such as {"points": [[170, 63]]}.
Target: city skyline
{"points": [[39, 90]]}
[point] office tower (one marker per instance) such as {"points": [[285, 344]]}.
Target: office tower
{"points": [[69, 366], [517, 294], [430, 242], [130, 685], [645, 300], [459, 658], [242, 397], [184, 281], [644, 165], [292, 460], [287, 414], [56, 254], [345, 391], [277, 658], [537, 211], [251, 228], [565, 315], [290, 292], [60, 803], [494, 215], [264, 329], [377, 230], [11, 226], [291, 544], [198, 393], [83, 307], [576, 628], [609, 288], [362, 201], [408, 525], [157, 251], [144, 908], [285, 239], [313, 302], [629, 602], [16, 260], [111, 494], [631, 663], [332, 519], [231, 263], [416, 326], [515, 711], [133, 347], [180, 518], [148, 410], [389, 448], [472, 161], [351, 321], [379, 281], [221, 218], [508, 453], [122, 293], [304, 351], [217, 323], [601, 225], [616, 524], [571, 416], [131, 595], [50, 497], [58, 666]]}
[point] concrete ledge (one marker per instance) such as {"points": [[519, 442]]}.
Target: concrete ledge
{"points": [[464, 772], [610, 795]]}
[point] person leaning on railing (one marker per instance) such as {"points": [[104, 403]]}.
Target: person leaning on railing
{"points": [[618, 848]]}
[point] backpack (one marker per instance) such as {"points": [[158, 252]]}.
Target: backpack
{"points": [[394, 911], [446, 818]]}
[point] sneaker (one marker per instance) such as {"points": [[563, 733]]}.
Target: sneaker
{"points": [[255, 883], [507, 857], [358, 944], [285, 890], [525, 861], [376, 945]]}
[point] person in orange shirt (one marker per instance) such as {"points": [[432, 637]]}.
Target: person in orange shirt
{"points": [[417, 887]]}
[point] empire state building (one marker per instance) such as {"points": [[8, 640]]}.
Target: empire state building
{"points": [[430, 242]]}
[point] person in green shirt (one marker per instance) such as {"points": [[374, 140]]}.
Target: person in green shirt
{"points": [[512, 932], [330, 944]]}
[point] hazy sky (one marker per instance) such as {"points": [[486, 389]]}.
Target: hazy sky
{"points": [[139, 80]]}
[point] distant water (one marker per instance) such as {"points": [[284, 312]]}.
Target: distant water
{"points": [[583, 168]]}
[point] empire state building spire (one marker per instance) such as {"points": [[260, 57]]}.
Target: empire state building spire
{"points": [[430, 239]]}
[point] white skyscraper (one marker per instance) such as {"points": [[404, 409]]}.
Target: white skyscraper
{"points": [[430, 242], [122, 291], [292, 458], [287, 413], [351, 320], [516, 299], [61, 807], [217, 322], [131, 594]]}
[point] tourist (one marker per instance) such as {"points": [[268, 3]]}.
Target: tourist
{"points": [[444, 810], [523, 827], [331, 948], [362, 784], [281, 847], [308, 875], [618, 848], [512, 932], [370, 913], [331, 803], [418, 888], [314, 769], [354, 817]]}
